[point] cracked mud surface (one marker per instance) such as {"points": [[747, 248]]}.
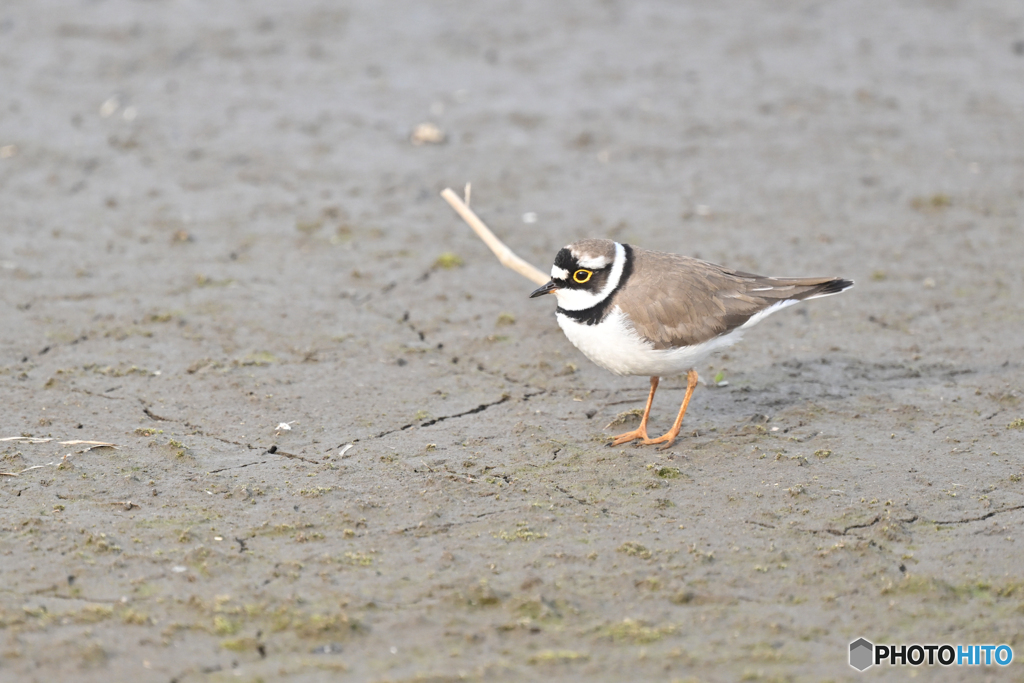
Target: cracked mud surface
{"points": [[214, 223]]}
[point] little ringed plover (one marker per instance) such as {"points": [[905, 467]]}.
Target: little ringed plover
{"points": [[639, 312]]}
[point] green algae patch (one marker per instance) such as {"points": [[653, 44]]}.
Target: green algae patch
{"points": [[316, 625], [936, 202], [224, 626], [316, 491], [448, 261], [634, 550], [135, 618], [357, 559], [558, 657], [258, 358], [240, 644], [637, 632], [93, 614], [480, 595], [915, 584], [625, 417], [522, 533]]}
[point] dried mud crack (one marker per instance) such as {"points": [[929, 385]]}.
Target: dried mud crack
{"points": [[915, 518], [982, 517], [472, 411], [852, 527]]}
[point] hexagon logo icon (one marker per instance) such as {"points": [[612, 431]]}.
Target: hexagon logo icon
{"points": [[861, 654]]}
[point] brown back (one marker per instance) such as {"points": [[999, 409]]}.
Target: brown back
{"points": [[681, 301]]}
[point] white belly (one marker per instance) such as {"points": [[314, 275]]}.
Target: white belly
{"points": [[616, 347]]}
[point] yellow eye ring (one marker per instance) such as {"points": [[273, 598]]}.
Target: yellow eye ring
{"points": [[581, 276]]}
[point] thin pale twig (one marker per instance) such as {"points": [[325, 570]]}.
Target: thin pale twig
{"points": [[15, 474], [90, 445], [506, 256]]}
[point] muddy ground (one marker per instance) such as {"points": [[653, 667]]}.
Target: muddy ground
{"points": [[214, 222]]}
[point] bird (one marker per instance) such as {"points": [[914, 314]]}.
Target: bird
{"points": [[638, 312]]}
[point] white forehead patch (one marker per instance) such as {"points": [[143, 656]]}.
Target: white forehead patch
{"points": [[559, 273], [593, 263]]}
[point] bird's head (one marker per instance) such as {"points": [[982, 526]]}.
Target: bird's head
{"points": [[582, 273]]}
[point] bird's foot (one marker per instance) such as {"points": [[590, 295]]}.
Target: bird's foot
{"points": [[638, 433], [667, 439]]}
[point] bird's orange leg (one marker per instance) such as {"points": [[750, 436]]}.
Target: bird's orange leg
{"points": [[641, 431], [669, 437]]}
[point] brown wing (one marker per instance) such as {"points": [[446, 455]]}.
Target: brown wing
{"points": [[680, 301]]}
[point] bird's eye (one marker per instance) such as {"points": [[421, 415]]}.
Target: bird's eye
{"points": [[581, 276]]}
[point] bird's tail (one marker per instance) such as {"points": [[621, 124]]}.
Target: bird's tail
{"points": [[804, 288]]}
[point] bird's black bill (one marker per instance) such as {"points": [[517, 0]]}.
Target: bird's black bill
{"points": [[546, 289]]}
